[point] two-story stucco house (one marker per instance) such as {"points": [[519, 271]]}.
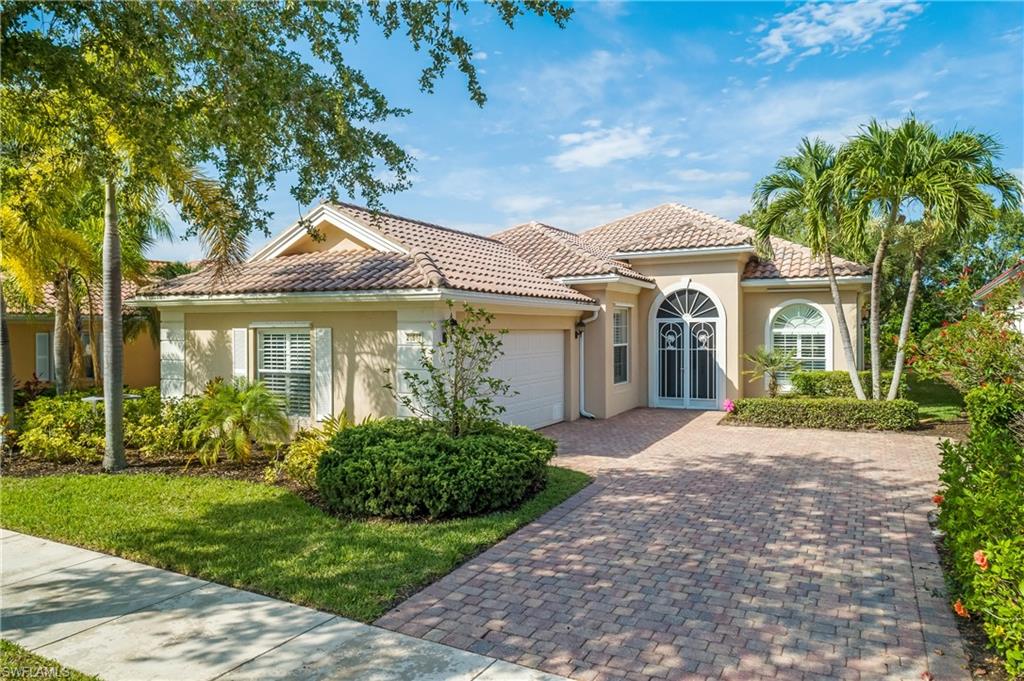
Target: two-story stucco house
{"points": [[653, 309]]}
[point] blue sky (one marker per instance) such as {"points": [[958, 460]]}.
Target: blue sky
{"points": [[636, 104]]}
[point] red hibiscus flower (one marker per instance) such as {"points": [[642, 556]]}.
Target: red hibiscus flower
{"points": [[981, 559], [959, 609]]}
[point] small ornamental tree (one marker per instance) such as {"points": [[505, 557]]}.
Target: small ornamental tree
{"points": [[981, 349], [770, 364], [454, 387]]}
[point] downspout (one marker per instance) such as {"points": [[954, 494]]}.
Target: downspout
{"points": [[580, 328]]}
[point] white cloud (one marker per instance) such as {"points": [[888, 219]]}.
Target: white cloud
{"points": [[420, 154], [479, 56], [701, 156], [522, 204], [700, 175], [598, 147], [841, 26]]}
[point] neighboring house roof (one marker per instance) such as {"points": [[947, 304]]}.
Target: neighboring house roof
{"points": [[1000, 279], [672, 226], [49, 301], [558, 253], [438, 257]]}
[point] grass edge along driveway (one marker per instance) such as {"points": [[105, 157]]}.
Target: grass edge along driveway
{"points": [[18, 663], [262, 538]]}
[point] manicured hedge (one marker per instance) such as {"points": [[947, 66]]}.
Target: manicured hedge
{"points": [[410, 469], [991, 407], [837, 383], [837, 413]]}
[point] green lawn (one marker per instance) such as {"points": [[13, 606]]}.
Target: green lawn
{"points": [[938, 401], [260, 537], [18, 663]]}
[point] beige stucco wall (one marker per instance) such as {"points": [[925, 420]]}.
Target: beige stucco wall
{"points": [[758, 306], [141, 356], [364, 350]]}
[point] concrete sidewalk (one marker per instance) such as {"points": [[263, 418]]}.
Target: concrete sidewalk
{"points": [[118, 619]]}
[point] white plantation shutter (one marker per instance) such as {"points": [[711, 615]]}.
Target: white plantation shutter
{"points": [[283, 364], [43, 356], [323, 397], [240, 353], [799, 329]]}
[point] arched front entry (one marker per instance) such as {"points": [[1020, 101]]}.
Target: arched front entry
{"points": [[687, 353]]}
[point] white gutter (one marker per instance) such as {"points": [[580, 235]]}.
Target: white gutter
{"points": [[586, 320], [383, 295], [603, 279], [803, 281], [677, 252]]}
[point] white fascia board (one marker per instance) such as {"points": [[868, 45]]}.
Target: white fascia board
{"points": [[603, 279], [327, 212], [683, 252], [792, 282], [383, 295]]}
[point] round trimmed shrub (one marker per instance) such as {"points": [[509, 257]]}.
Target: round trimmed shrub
{"points": [[410, 469]]}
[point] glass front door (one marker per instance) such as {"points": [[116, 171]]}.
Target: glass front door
{"points": [[687, 336]]}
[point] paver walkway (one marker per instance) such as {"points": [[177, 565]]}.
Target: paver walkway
{"points": [[707, 552], [122, 620]]}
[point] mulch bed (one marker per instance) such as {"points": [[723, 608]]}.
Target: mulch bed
{"points": [[17, 466], [954, 430]]}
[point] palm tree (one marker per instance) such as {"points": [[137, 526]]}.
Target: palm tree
{"points": [[770, 364], [806, 185], [913, 168]]}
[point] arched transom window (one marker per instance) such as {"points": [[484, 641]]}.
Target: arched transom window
{"points": [[802, 330], [688, 304]]}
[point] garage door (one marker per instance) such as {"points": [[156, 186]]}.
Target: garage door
{"points": [[534, 363]]}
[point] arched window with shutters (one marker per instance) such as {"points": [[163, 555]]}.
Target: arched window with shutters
{"points": [[803, 329]]}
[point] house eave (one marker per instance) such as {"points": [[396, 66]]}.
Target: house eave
{"points": [[685, 252], [375, 296], [801, 282], [604, 279], [327, 212]]}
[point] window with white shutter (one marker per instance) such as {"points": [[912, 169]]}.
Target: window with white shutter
{"points": [[801, 330], [283, 364]]}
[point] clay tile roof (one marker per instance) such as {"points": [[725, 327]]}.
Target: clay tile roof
{"points": [[438, 257], [668, 226], [1000, 279], [790, 260], [323, 271], [465, 261], [558, 253], [49, 301], [673, 226]]}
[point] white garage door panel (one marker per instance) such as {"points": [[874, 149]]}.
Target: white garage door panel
{"points": [[534, 363]]}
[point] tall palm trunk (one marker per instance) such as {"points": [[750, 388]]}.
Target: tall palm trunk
{"points": [[908, 312], [94, 336], [113, 348], [60, 334], [844, 328], [876, 313], [6, 375]]}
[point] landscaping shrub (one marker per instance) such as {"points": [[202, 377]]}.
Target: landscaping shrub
{"points": [[837, 383], [992, 407], [837, 413], [62, 429], [233, 417], [982, 516], [981, 349], [304, 452], [413, 469], [158, 427]]}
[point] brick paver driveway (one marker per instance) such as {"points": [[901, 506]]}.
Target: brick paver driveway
{"points": [[706, 551]]}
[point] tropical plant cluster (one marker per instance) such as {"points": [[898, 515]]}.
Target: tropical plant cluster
{"points": [[980, 349], [836, 413], [903, 189], [411, 468], [981, 513], [227, 421], [306, 447]]}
